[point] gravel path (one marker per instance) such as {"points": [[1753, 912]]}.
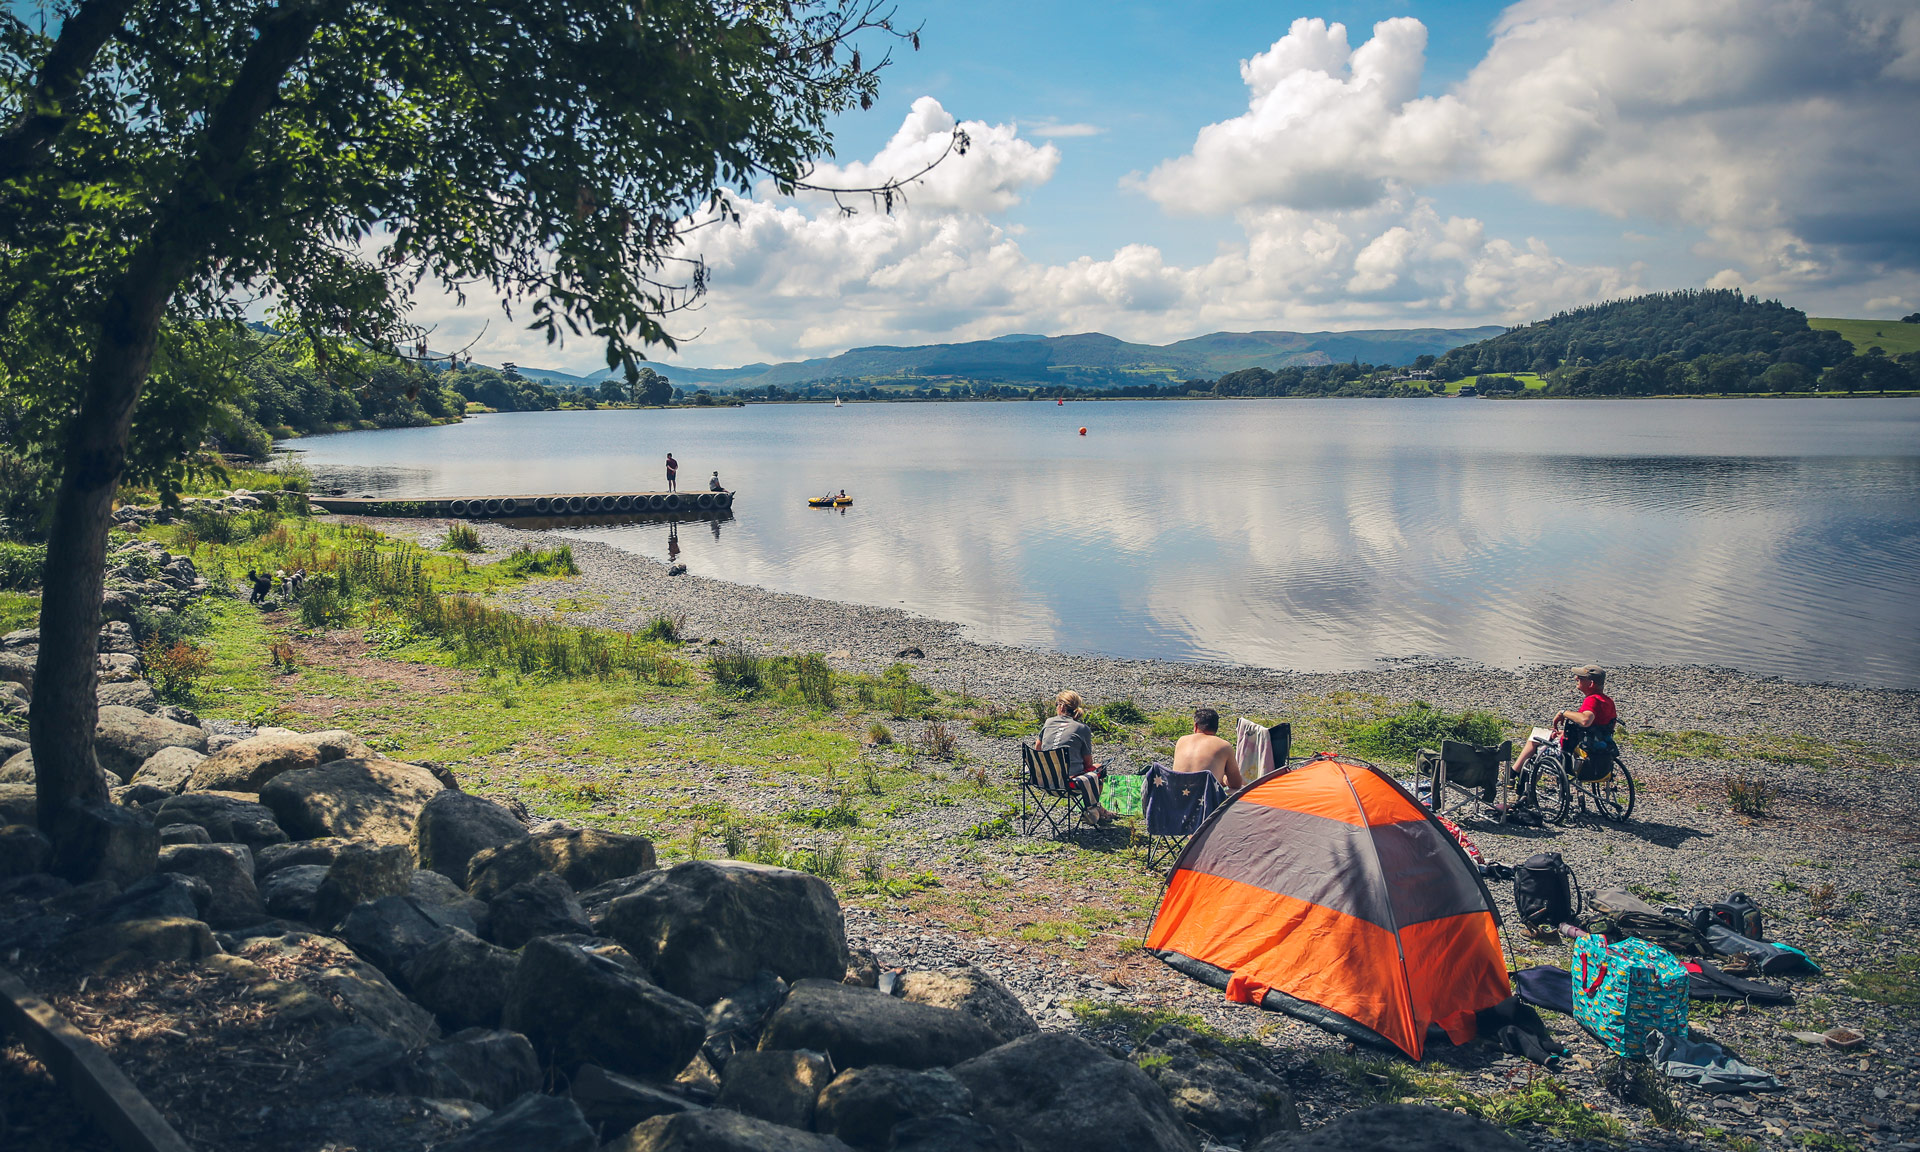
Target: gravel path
{"points": [[1837, 865]]}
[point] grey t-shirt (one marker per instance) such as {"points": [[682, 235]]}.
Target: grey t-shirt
{"points": [[1068, 733]]}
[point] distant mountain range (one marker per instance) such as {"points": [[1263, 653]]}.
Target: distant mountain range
{"points": [[1029, 357]]}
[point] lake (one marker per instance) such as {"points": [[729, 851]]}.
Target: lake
{"points": [[1780, 537]]}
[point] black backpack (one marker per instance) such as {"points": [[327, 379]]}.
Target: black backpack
{"points": [[1544, 892], [1736, 914]]}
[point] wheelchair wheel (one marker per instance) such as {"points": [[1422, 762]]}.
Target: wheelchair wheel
{"points": [[1613, 796], [1547, 786]]}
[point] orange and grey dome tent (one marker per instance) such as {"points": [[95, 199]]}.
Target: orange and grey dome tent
{"points": [[1330, 893]]}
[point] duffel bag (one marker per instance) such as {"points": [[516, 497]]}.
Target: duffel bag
{"points": [[1622, 990], [1770, 959]]}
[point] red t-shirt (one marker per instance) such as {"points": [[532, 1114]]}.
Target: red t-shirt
{"points": [[1601, 706]]}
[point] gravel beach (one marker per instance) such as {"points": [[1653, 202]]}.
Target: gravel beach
{"points": [[1836, 863]]}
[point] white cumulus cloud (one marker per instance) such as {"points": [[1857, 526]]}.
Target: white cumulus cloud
{"points": [[1782, 129]]}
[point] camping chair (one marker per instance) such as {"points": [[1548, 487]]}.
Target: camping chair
{"points": [[1046, 793], [1476, 775], [1123, 795], [1280, 736], [1177, 804]]}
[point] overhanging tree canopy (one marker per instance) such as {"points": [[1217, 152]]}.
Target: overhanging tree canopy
{"points": [[165, 161]]}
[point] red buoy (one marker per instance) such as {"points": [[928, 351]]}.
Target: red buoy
{"points": [[1083, 431], [1059, 403]]}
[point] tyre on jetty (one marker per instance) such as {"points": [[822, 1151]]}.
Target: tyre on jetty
{"points": [[492, 507], [543, 505], [457, 507], [509, 505], [673, 502], [576, 504], [656, 503]]}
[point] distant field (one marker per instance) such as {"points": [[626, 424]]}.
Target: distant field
{"points": [[1532, 382], [1890, 336]]}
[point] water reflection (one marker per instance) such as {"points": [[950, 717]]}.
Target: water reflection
{"points": [[1778, 537]]}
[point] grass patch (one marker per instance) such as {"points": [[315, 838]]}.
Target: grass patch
{"points": [[20, 565], [530, 561], [18, 610], [1139, 1023], [1897, 985], [1750, 795], [462, 538], [1420, 725], [1890, 336]]}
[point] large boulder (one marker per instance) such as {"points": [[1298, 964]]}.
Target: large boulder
{"points": [[359, 874], [717, 1130], [1396, 1128], [24, 850], [184, 834], [229, 818], [288, 893], [446, 902], [338, 744], [583, 857], [705, 927], [463, 980], [17, 767], [270, 859], [1230, 1096], [950, 1134], [168, 768], [488, 1065], [248, 765], [161, 896], [128, 694], [17, 803], [17, 667], [388, 933], [1061, 1093], [598, 900], [360, 799], [613, 1103], [540, 906], [862, 1026], [135, 943], [227, 869], [453, 826], [368, 994], [579, 1008], [778, 1087], [106, 842], [124, 737], [862, 1105], [734, 1021], [973, 991], [533, 1123]]}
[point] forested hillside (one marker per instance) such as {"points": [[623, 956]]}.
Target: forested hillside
{"points": [[1714, 341]]}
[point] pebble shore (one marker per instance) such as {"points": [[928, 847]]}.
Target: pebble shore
{"points": [[1837, 864]]}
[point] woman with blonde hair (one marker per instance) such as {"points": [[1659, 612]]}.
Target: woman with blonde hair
{"points": [[1066, 731]]}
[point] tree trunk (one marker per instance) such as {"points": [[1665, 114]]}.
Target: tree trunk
{"points": [[65, 707]]}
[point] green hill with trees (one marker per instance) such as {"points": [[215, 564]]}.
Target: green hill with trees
{"points": [[1712, 342]]}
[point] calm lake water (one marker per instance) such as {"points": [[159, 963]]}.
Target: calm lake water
{"points": [[1775, 536]]}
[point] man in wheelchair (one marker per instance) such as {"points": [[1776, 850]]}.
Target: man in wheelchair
{"points": [[1589, 726]]}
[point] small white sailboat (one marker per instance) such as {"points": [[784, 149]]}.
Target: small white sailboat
{"points": [[837, 404]]}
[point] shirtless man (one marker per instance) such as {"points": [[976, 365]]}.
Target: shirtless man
{"points": [[1202, 750]]}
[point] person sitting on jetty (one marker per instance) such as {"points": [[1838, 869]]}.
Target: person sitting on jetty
{"points": [[1067, 732], [713, 485], [1593, 720], [1202, 750]]}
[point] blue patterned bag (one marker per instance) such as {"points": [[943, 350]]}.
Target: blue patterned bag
{"points": [[1621, 990]]}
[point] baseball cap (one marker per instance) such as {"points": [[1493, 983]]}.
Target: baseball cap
{"points": [[1591, 671]]}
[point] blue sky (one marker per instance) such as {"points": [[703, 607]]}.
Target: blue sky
{"points": [[1160, 170]]}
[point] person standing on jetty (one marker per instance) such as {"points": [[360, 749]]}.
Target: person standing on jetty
{"points": [[673, 470]]}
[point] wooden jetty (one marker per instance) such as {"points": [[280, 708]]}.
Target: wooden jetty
{"points": [[691, 504]]}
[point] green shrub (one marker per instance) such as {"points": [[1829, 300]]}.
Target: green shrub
{"points": [[1750, 795], [170, 628], [462, 538], [527, 561], [814, 680], [664, 629], [1123, 712], [1171, 725], [877, 733], [176, 669], [842, 815], [1421, 725], [737, 671], [20, 565]]}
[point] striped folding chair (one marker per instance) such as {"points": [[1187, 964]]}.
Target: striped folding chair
{"points": [[1046, 796]]}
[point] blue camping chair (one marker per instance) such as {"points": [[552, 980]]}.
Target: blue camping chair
{"points": [[1177, 803]]}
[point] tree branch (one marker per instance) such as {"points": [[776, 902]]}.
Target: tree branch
{"points": [[45, 110]]}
